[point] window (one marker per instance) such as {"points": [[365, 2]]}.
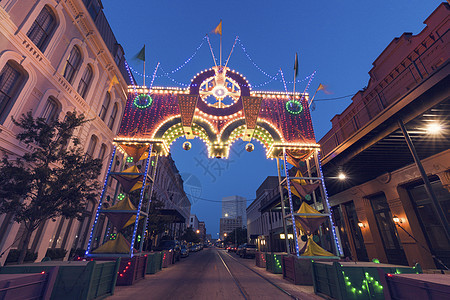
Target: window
{"points": [[11, 80], [112, 119], [92, 144], [101, 154], [42, 28], [85, 81], [72, 64], [50, 110], [105, 106]]}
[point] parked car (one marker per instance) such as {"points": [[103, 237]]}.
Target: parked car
{"points": [[239, 249], [171, 245], [193, 248], [184, 251], [248, 250], [232, 248]]}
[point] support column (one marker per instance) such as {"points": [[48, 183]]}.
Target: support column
{"points": [[283, 211]]}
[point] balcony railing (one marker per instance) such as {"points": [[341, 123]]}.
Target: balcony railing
{"points": [[404, 77]]}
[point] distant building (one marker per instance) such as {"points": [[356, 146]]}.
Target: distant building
{"points": [[227, 225], [193, 222], [233, 207], [264, 219], [169, 189], [233, 214], [202, 229], [384, 201]]}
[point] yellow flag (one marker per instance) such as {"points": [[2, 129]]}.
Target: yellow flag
{"points": [[114, 81], [323, 88], [218, 29]]}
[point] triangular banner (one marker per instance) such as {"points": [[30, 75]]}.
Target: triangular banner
{"points": [[252, 106], [187, 105]]}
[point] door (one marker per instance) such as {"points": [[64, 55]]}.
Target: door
{"points": [[356, 234], [388, 231], [432, 228], [339, 223]]}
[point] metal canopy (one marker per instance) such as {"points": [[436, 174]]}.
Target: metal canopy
{"points": [[384, 149]]}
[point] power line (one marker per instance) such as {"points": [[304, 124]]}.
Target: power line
{"points": [[218, 201], [337, 98]]}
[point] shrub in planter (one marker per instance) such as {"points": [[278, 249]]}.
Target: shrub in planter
{"points": [[13, 256], [56, 253]]}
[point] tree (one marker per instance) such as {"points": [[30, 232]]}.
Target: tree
{"points": [[238, 235], [190, 236], [55, 178]]}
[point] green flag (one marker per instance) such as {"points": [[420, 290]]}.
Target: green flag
{"points": [[141, 54]]}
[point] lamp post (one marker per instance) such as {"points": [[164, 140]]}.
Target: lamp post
{"points": [[436, 205]]}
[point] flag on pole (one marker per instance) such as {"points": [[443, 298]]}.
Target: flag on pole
{"points": [[323, 88], [296, 66], [218, 29], [141, 54], [114, 81]]}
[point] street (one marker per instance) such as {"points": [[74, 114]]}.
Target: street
{"points": [[211, 274]]}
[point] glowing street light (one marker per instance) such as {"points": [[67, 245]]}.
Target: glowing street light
{"points": [[198, 231], [434, 128], [341, 176], [226, 215]]}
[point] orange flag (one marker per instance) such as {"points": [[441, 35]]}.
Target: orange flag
{"points": [[218, 29]]}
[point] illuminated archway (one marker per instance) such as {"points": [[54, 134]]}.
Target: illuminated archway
{"points": [[218, 107]]}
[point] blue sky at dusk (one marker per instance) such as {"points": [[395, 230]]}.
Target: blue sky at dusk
{"points": [[337, 39]]}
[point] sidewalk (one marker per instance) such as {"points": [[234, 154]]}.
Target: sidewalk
{"points": [[300, 291]]}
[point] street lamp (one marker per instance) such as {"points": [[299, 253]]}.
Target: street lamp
{"points": [[434, 128], [226, 215], [342, 176], [198, 231], [225, 234]]}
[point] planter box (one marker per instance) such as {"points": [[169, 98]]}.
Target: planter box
{"points": [[415, 286], [28, 286], [75, 279], [260, 258], [353, 280], [154, 261], [273, 263], [130, 270], [167, 258], [298, 270]]}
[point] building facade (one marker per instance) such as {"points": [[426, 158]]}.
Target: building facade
{"points": [[264, 218], [233, 214], [57, 57], [382, 140], [202, 231], [193, 222]]}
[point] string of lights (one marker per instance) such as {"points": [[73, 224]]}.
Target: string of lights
{"points": [[284, 83], [217, 201]]}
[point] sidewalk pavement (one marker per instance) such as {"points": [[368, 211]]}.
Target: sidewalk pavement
{"points": [[300, 291]]}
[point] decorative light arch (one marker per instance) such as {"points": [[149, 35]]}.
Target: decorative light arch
{"points": [[218, 107]]}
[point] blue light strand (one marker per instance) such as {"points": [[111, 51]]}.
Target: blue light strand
{"points": [[172, 79], [328, 206], [127, 66], [212, 52], [307, 86], [101, 202], [291, 206], [154, 75], [148, 205], [285, 87], [136, 223]]}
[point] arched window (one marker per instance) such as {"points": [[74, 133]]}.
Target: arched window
{"points": [[12, 78], [101, 154], [42, 28], [92, 144], [105, 106], [72, 64], [113, 116], [85, 81], [50, 110]]}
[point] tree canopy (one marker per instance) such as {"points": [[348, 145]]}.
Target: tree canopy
{"points": [[53, 178]]}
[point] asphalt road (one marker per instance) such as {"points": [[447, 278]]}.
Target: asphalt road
{"points": [[208, 274]]}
